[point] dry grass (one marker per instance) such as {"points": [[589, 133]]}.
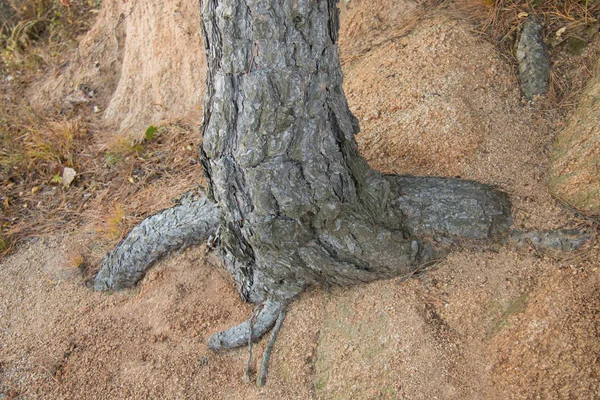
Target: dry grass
{"points": [[502, 18], [115, 183], [75, 260], [571, 28], [115, 175], [34, 147], [47, 143], [113, 224], [35, 34]]}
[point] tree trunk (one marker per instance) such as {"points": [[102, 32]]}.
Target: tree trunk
{"points": [[298, 204]]}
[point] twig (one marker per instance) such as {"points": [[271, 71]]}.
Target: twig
{"points": [[577, 213], [254, 53], [49, 374], [113, 32], [48, 279], [421, 268], [252, 319], [262, 377], [432, 297]]}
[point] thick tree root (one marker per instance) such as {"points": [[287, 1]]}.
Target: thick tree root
{"points": [[450, 208], [191, 222], [239, 335]]}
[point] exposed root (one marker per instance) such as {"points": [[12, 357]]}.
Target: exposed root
{"points": [[250, 343], [264, 366], [191, 222], [239, 335], [452, 208], [565, 240]]}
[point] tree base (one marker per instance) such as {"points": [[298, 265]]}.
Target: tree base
{"points": [[436, 212]]}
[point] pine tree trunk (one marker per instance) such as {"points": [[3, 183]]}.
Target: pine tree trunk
{"points": [[298, 204]]}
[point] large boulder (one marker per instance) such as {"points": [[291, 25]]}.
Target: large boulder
{"points": [[575, 168]]}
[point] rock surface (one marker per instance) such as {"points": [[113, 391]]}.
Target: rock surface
{"points": [[575, 169]]}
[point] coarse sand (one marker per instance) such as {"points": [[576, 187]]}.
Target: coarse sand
{"points": [[432, 98]]}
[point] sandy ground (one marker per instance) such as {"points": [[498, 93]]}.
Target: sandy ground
{"points": [[493, 323]]}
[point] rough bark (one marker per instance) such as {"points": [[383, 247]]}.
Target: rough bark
{"points": [[564, 240], [299, 205], [446, 208], [533, 58], [296, 203], [190, 222], [238, 335]]}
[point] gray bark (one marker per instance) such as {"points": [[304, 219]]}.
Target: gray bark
{"points": [[299, 205], [446, 208], [264, 365], [564, 240], [533, 59], [238, 335], [190, 222]]}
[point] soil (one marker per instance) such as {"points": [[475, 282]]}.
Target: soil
{"points": [[433, 98]]}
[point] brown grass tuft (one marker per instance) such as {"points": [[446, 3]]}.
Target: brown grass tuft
{"points": [[571, 28], [113, 223], [35, 34], [53, 143], [75, 260]]}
